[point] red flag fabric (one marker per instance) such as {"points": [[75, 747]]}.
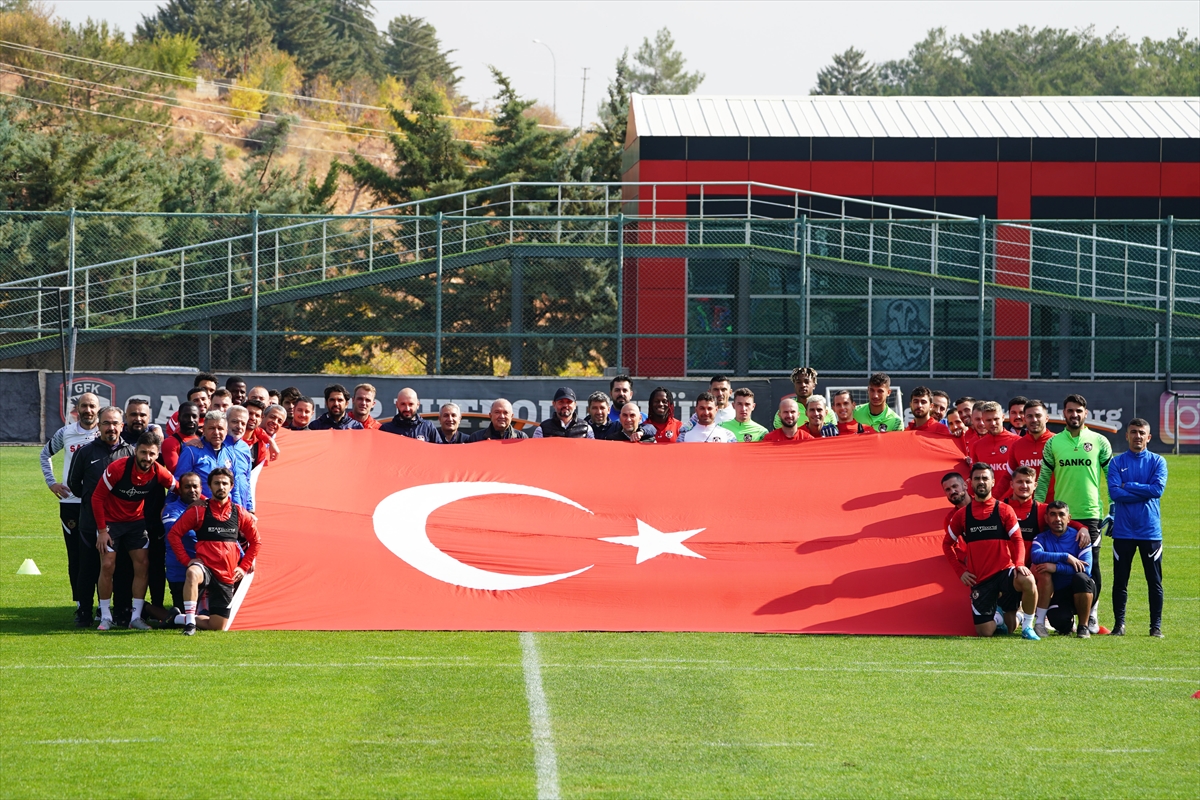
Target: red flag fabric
{"points": [[367, 530]]}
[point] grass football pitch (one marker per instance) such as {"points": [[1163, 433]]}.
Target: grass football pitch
{"points": [[420, 714]]}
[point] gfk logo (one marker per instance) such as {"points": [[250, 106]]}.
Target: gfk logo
{"points": [[1189, 419]]}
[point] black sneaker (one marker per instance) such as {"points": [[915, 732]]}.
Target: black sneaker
{"points": [[189, 629], [1156, 633], [1118, 630], [169, 622]]}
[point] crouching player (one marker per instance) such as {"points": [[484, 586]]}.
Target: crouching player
{"points": [[995, 567], [216, 566], [1063, 569]]}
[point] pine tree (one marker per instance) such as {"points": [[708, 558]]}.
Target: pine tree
{"points": [[659, 68], [413, 51], [228, 30], [429, 160], [301, 29], [517, 149], [850, 74], [358, 43]]}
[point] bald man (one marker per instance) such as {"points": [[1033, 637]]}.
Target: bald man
{"points": [[501, 426], [407, 421], [67, 440]]}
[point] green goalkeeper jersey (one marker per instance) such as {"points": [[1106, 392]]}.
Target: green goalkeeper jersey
{"points": [[748, 431], [1079, 465]]}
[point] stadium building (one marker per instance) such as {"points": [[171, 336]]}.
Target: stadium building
{"points": [[1107, 160]]}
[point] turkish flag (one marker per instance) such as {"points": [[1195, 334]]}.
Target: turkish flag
{"points": [[368, 530]]}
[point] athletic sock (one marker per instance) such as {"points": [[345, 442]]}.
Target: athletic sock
{"points": [[189, 612], [1028, 621], [180, 619], [998, 617], [137, 609], [105, 611], [1041, 615]]}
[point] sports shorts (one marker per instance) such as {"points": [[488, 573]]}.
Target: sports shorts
{"points": [[127, 536], [1061, 613], [220, 595], [992, 591]]}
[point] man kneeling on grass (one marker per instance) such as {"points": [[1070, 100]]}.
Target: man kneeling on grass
{"points": [[1063, 570], [216, 566], [995, 568]]}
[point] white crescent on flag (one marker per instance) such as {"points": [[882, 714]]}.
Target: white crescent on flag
{"points": [[400, 520]]}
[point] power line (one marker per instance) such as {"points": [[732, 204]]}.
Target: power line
{"points": [[164, 125], [177, 78]]}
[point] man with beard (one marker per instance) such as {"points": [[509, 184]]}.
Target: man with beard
{"points": [[598, 418], [804, 381], [118, 507], [620, 389], [188, 493], [501, 426], [721, 391], [69, 439], [262, 446], [940, 402], [237, 390], [788, 431], [705, 428], [335, 417], [1064, 588], [1016, 415], [407, 421], [189, 426], [632, 428], [920, 403], [218, 564], [1027, 451], [137, 420], [87, 470], [301, 414], [449, 418], [992, 448], [362, 404], [205, 381], [563, 424], [1136, 482], [662, 416], [1077, 461], [995, 568]]}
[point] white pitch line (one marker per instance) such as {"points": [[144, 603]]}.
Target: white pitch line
{"points": [[96, 741], [1094, 750], [758, 744], [545, 761]]}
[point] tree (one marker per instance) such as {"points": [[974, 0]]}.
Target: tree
{"points": [[601, 159], [934, 67], [413, 51], [849, 74], [358, 43], [228, 30], [1173, 65], [302, 30], [429, 160], [659, 68], [517, 149]]}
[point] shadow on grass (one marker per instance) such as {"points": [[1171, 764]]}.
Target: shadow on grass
{"points": [[37, 620]]}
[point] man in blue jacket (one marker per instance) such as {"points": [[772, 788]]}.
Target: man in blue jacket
{"points": [[189, 493], [1063, 570], [407, 421], [1136, 480], [213, 450]]}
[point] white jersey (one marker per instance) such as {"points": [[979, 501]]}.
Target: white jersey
{"points": [[723, 415], [67, 439], [706, 433]]}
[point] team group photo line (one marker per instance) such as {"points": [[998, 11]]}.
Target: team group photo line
{"points": [[147, 508]]}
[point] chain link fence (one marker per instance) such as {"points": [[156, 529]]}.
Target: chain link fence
{"points": [[556, 279]]}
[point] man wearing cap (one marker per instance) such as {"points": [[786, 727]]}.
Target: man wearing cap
{"points": [[563, 423]]}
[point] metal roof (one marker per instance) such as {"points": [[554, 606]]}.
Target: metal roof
{"points": [[918, 117]]}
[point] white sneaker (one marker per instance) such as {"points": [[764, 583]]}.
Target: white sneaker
{"points": [[106, 624], [1041, 630], [1093, 625], [138, 624]]}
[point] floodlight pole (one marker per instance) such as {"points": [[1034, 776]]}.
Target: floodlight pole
{"points": [[554, 62]]}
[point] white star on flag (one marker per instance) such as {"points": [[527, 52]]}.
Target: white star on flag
{"points": [[652, 542]]}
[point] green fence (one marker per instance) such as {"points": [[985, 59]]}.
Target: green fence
{"points": [[563, 282]]}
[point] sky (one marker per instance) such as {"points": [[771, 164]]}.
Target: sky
{"points": [[743, 48]]}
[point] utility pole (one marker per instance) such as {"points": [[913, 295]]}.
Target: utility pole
{"points": [[583, 102]]}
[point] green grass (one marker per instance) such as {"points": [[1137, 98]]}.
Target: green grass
{"points": [[647, 715]]}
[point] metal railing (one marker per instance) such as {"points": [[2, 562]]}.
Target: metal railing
{"points": [[1143, 270]]}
